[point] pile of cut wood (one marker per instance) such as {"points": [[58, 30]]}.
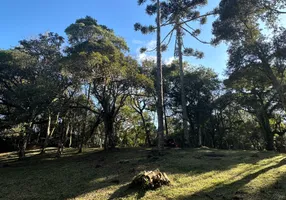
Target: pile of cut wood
{"points": [[150, 180]]}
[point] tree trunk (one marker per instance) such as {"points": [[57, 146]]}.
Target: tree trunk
{"points": [[83, 134], [80, 147], [182, 82], [213, 142], [100, 138], [105, 139], [160, 98], [200, 136], [147, 131], [166, 122], [24, 140], [49, 131], [38, 137], [22, 145], [70, 137], [266, 129], [136, 139], [47, 135], [109, 132], [221, 129], [93, 129], [62, 140], [60, 149], [66, 135], [277, 85]]}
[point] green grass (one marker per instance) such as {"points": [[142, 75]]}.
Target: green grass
{"points": [[195, 174]]}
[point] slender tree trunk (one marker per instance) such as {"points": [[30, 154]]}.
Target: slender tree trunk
{"points": [[38, 137], [200, 136], [49, 131], [47, 134], [70, 137], [93, 130], [166, 121], [29, 138], [83, 134], [80, 147], [78, 136], [136, 139], [221, 128], [60, 148], [100, 139], [148, 139], [24, 140], [183, 93], [66, 134], [22, 145], [213, 133], [160, 98], [62, 140]]}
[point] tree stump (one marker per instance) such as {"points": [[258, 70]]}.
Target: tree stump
{"points": [[150, 180]]}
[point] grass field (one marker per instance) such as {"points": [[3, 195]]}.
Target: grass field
{"points": [[194, 173]]}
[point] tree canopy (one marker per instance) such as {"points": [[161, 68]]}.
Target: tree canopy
{"points": [[86, 90]]}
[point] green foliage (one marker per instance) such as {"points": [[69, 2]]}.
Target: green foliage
{"points": [[112, 74], [100, 93], [200, 85], [31, 78], [240, 20]]}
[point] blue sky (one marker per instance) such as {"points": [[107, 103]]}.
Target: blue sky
{"points": [[23, 19]]}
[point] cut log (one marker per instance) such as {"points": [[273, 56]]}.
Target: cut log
{"points": [[150, 180]]}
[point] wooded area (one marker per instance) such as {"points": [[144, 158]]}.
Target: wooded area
{"points": [[91, 93], [83, 92]]}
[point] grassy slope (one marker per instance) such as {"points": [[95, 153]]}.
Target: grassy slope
{"points": [[195, 174]]}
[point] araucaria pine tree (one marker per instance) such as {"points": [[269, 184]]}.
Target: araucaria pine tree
{"points": [[154, 9], [177, 16]]}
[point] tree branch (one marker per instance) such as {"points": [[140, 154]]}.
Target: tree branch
{"points": [[195, 36], [192, 19]]}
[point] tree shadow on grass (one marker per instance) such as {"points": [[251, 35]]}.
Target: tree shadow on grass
{"points": [[199, 161], [45, 177], [233, 190], [75, 175], [126, 191], [12, 157]]}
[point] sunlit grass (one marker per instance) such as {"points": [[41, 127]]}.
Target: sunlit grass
{"points": [[195, 174]]}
